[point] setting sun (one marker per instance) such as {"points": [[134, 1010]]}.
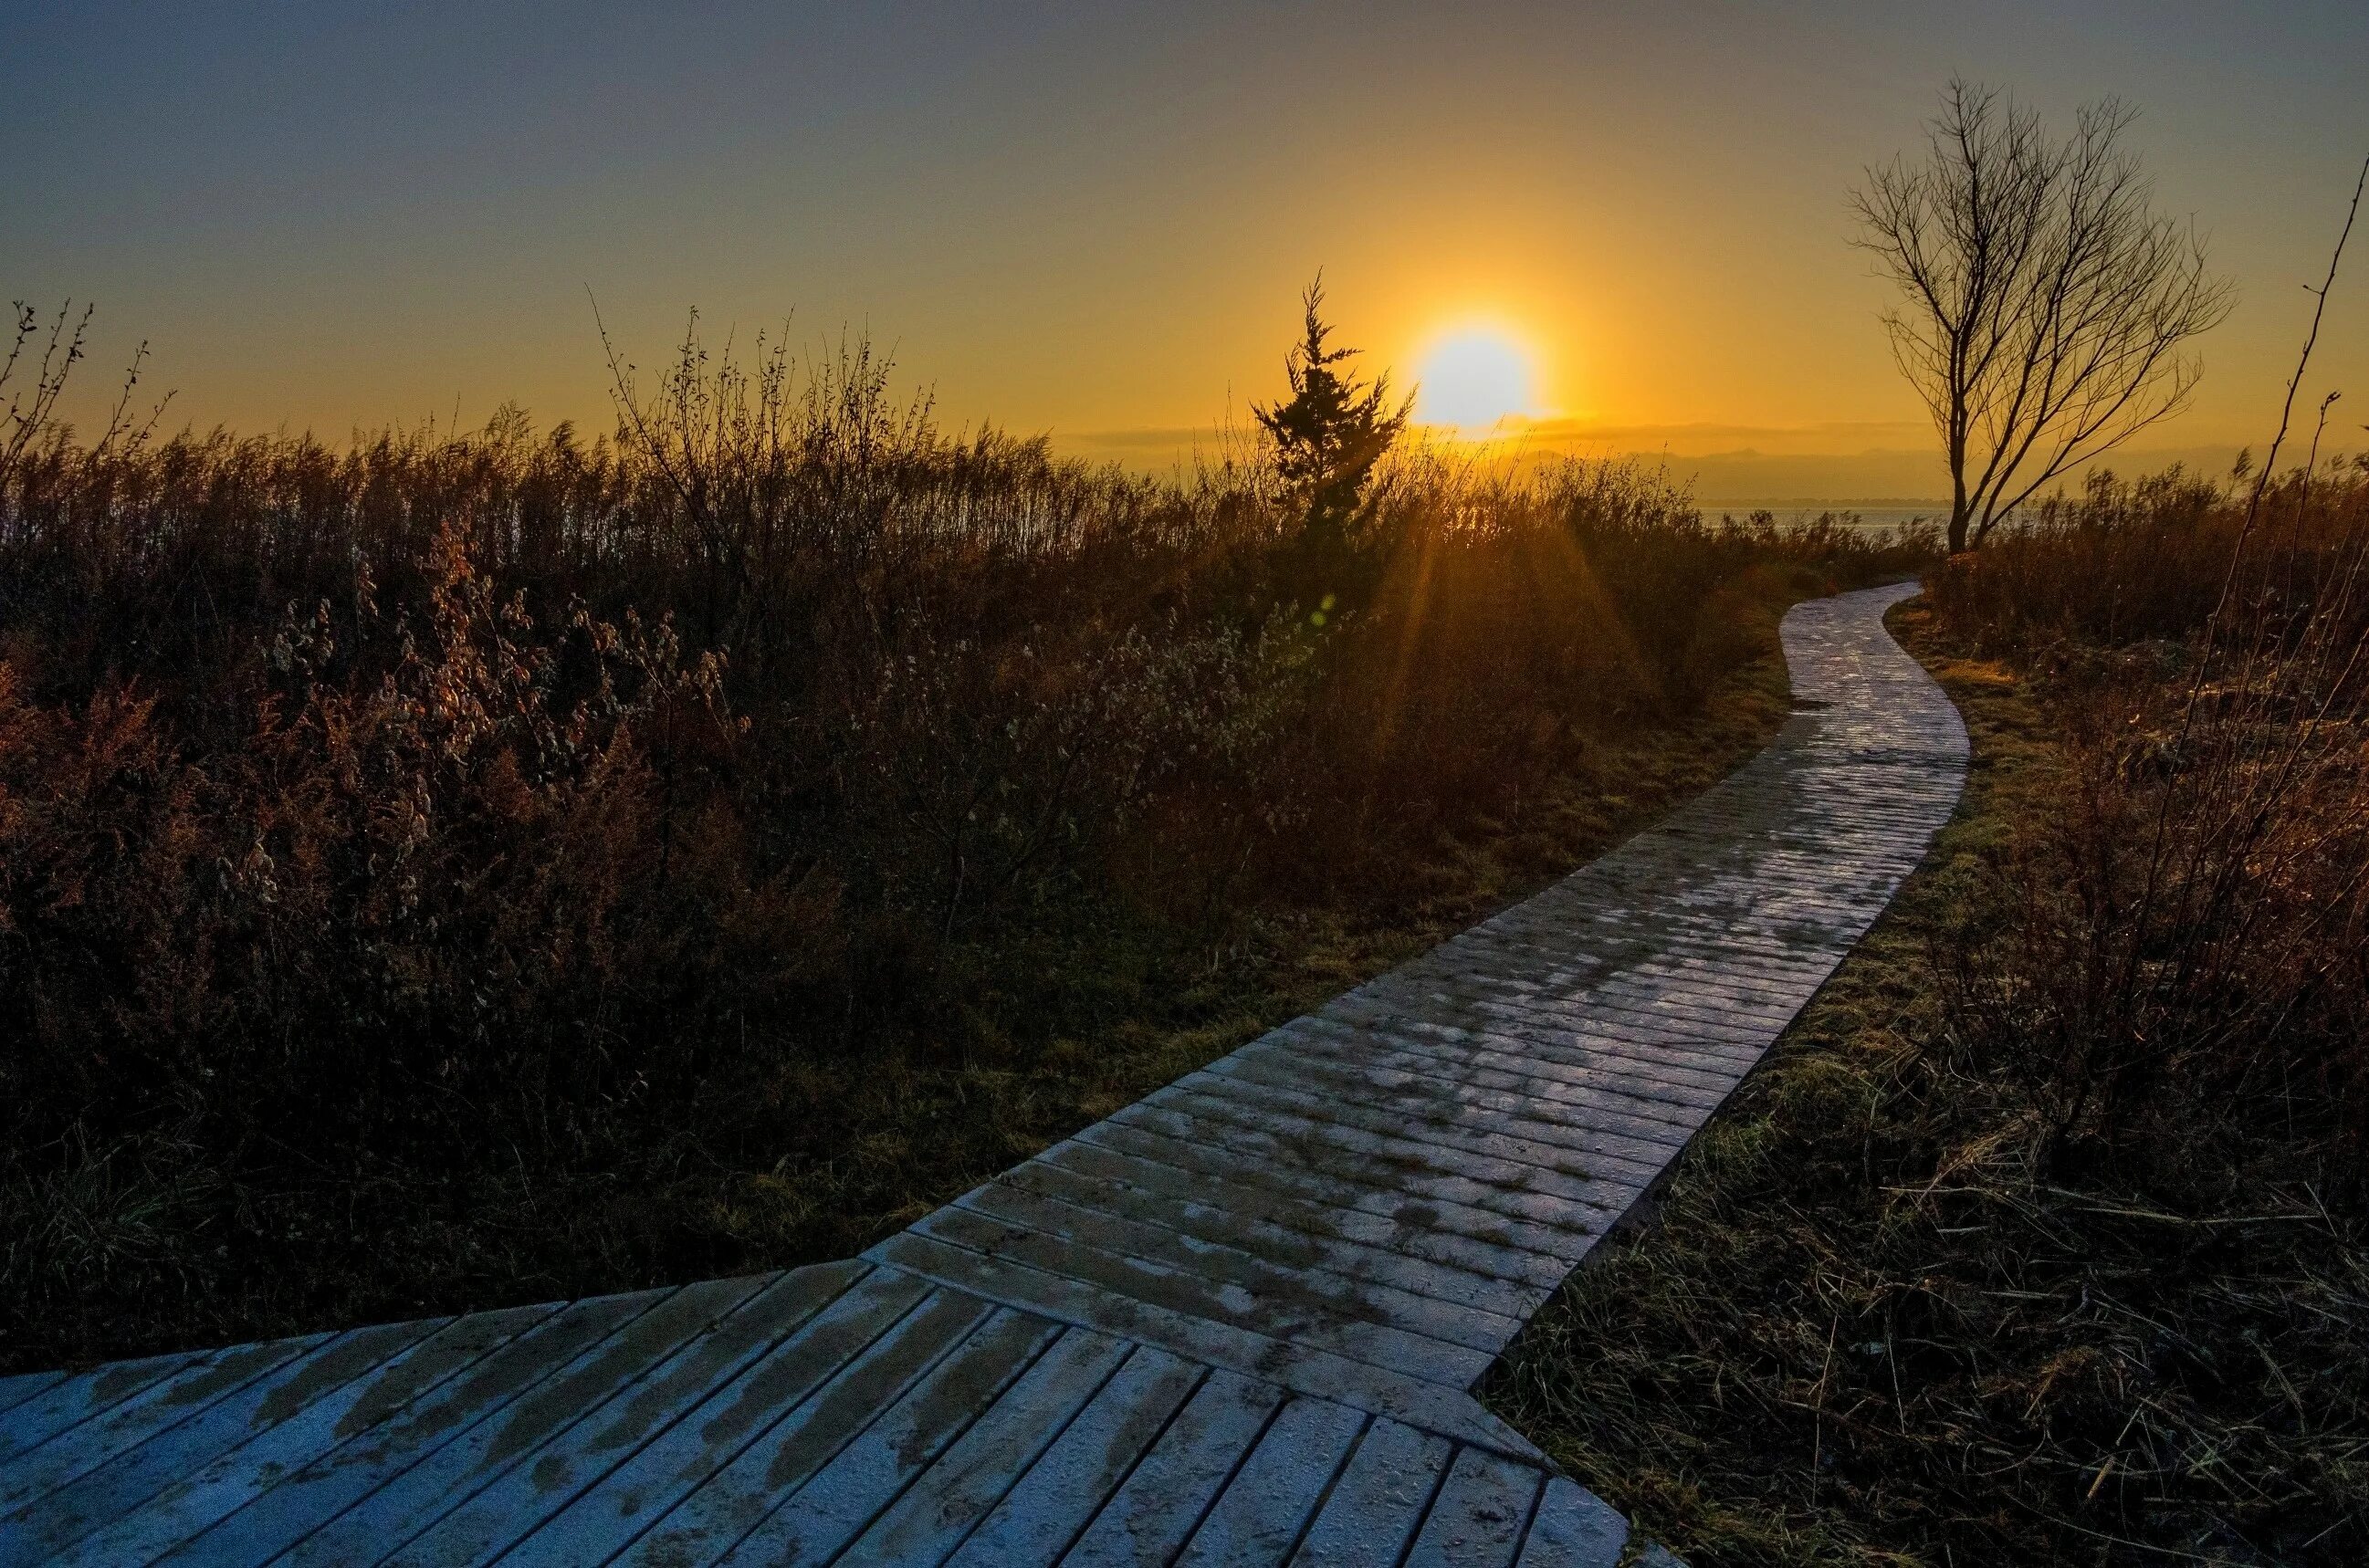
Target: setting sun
{"points": [[1474, 380]]}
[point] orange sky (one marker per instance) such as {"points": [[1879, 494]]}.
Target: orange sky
{"points": [[1096, 220]]}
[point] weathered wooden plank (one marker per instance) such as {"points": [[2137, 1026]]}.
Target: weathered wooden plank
{"points": [[1593, 1126], [1560, 1193], [1158, 1507], [1573, 1528], [1301, 1368], [42, 1531], [1649, 1145], [737, 1497], [942, 1505], [1477, 991], [1736, 979], [608, 1516], [1741, 1044], [557, 1471], [1571, 951], [297, 1437], [1379, 1501], [1087, 1176], [1583, 933], [838, 1501], [68, 1402], [1128, 1227], [1482, 1512], [1662, 1062], [16, 1389], [1454, 1235], [1580, 934], [1679, 1107], [1728, 986], [1067, 1484], [1259, 1518], [1574, 952], [1577, 951], [1288, 1310], [391, 1516], [1460, 1133], [1614, 1033], [1674, 1106], [1413, 1172], [163, 1404], [1690, 1005], [1786, 991], [1611, 1043], [393, 1426]]}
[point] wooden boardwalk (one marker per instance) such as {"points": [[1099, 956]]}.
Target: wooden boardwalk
{"points": [[1237, 1322]]}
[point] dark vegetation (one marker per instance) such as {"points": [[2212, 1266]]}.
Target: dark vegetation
{"points": [[470, 867], [2045, 1236]]}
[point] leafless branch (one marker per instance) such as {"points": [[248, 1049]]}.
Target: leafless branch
{"points": [[33, 407], [2046, 305]]}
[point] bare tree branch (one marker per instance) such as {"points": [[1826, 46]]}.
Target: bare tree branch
{"points": [[2045, 303], [31, 409]]}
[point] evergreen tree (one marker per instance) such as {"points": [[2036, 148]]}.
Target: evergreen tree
{"points": [[1332, 432]]}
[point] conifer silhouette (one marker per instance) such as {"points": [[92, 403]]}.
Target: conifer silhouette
{"points": [[1333, 430]]}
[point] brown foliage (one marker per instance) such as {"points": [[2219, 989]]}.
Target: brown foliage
{"points": [[419, 900], [2182, 945], [405, 914]]}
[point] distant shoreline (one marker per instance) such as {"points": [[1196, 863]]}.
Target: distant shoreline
{"points": [[1833, 503], [1865, 515]]}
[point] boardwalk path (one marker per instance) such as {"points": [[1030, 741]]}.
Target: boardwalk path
{"points": [[1236, 1322]]}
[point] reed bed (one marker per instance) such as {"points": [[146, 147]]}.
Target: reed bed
{"points": [[459, 867]]}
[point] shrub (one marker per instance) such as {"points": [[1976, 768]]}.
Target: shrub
{"points": [[2184, 946]]}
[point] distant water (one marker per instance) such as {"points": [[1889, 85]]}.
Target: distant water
{"points": [[1871, 516]]}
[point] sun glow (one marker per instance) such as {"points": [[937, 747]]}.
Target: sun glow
{"points": [[1475, 380]]}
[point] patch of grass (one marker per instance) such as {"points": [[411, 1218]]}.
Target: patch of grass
{"points": [[1872, 1323]]}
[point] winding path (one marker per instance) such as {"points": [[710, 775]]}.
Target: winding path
{"points": [[1236, 1322]]}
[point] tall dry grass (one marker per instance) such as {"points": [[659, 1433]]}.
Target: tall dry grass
{"points": [[486, 865], [2186, 947]]}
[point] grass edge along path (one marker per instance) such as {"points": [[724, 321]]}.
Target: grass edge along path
{"points": [[1855, 1330]]}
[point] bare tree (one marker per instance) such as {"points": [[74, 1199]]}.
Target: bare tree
{"points": [[2045, 303]]}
